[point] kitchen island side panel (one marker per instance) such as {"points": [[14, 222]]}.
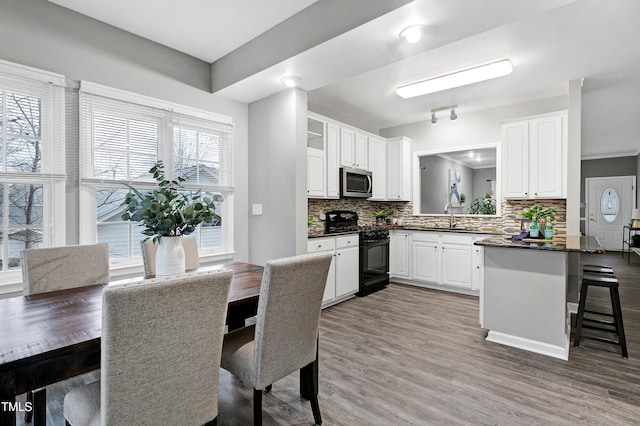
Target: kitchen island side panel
{"points": [[525, 294]]}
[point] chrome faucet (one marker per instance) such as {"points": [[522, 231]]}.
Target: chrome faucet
{"points": [[451, 223]]}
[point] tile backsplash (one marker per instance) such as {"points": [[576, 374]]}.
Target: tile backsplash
{"points": [[508, 223]]}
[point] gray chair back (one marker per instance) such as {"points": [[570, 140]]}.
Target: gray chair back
{"points": [[149, 249], [161, 345], [60, 268], [288, 316]]}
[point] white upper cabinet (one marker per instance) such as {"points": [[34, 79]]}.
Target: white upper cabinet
{"points": [[331, 145], [398, 169], [316, 159], [322, 158], [333, 161], [535, 153], [353, 149], [378, 168], [548, 157]]}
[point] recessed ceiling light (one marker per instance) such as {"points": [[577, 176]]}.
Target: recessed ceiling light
{"points": [[290, 81], [412, 34], [456, 79]]}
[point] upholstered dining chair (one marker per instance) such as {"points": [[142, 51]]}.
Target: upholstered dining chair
{"points": [[160, 354], [149, 249], [285, 336], [59, 268]]}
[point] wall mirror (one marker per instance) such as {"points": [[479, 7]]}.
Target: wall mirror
{"points": [[463, 181]]}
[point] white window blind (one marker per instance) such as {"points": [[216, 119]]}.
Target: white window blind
{"points": [[32, 167], [122, 136]]}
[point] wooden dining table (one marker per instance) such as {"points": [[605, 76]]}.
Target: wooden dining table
{"points": [[49, 337]]}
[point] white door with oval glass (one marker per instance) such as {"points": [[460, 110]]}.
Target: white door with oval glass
{"points": [[608, 208]]}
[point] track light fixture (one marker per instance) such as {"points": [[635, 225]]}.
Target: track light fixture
{"points": [[452, 116]]}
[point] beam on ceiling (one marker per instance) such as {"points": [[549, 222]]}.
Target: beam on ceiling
{"points": [[318, 23]]}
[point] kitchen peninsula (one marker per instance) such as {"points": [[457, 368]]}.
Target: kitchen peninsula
{"points": [[524, 299]]}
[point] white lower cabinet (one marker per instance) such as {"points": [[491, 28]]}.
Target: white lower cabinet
{"points": [[456, 263], [425, 257], [446, 259], [399, 254], [344, 275]]}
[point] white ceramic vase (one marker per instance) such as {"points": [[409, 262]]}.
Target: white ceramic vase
{"points": [[170, 257]]}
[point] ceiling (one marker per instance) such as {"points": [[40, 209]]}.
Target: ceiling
{"points": [[356, 69]]}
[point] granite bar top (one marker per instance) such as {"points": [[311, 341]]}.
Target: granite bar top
{"points": [[569, 243]]}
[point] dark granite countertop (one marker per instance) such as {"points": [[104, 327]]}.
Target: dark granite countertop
{"points": [[434, 229], [332, 234], [570, 243]]}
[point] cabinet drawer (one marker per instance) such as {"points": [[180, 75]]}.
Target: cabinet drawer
{"points": [[456, 238], [430, 237], [347, 241], [320, 244]]}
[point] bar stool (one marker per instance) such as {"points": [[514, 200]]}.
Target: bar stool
{"points": [[611, 282], [597, 269]]}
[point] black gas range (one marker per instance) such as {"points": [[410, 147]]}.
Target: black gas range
{"points": [[374, 249]]}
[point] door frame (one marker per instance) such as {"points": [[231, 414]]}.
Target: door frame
{"points": [[588, 180]]}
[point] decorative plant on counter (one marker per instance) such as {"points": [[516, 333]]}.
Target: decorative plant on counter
{"points": [[539, 212], [483, 205], [381, 215], [463, 197], [169, 211]]}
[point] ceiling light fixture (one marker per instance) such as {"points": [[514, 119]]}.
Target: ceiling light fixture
{"points": [[452, 116], [456, 79], [412, 34], [290, 81]]}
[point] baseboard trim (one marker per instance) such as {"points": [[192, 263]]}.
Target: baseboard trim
{"points": [[560, 352]]}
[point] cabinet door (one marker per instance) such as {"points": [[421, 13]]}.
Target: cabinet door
{"points": [[378, 168], [330, 288], [347, 271], [515, 182], [361, 151], [456, 265], [399, 170], [399, 256], [425, 261], [547, 159], [316, 173], [347, 147], [333, 161]]}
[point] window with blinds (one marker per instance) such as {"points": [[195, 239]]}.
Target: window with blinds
{"points": [[122, 136], [32, 175]]}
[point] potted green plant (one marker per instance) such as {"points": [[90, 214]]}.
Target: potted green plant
{"points": [[167, 213], [483, 205], [463, 198], [381, 215], [540, 213]]}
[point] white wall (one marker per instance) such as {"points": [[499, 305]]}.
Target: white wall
{"points": [[43, 35], [475, 128], [277, 176]]}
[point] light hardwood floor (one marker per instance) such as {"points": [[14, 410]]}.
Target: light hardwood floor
{"points": [[408, 355]]}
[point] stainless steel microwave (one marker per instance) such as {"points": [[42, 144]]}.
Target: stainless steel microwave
{"points": [[355, 183]]}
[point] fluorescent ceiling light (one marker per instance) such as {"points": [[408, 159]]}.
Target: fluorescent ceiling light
{"points": [[456, 79]]}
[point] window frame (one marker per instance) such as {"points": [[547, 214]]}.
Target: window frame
{"points": [[50, 89], [165, 150]]}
